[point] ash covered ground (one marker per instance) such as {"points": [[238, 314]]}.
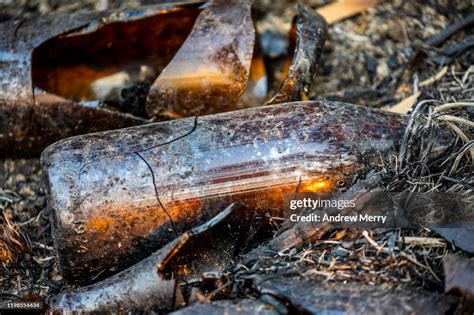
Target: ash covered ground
{"points": [[375, 59]]}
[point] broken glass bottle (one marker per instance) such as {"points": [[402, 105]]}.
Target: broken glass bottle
{"points": [[67, 74], [117, 196], [57, 71], [220, 67]]}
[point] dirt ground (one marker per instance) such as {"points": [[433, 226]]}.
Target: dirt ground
{"points": [[375, 59]]}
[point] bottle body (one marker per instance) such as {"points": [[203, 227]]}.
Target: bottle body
{"points": [[117, 196]]}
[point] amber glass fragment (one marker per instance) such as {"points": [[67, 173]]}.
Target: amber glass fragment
{"points": [[211, 69], [87, 66], [68, 74], [307, 34], [153, 283], [60, 72], [220, 66], [117, 196]]}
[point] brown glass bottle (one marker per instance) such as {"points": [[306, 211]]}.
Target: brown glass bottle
{"points": [[117, 196], [75, 73], [50, 64]]}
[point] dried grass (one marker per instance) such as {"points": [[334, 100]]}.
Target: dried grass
{"points": [[13, 243]]}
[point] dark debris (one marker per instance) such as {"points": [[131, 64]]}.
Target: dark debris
{"points": [[369, 60]]}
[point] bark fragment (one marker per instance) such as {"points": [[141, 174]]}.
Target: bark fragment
{"points": [[310, 297], [459, 277], [234, 307], [462, 237]]}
